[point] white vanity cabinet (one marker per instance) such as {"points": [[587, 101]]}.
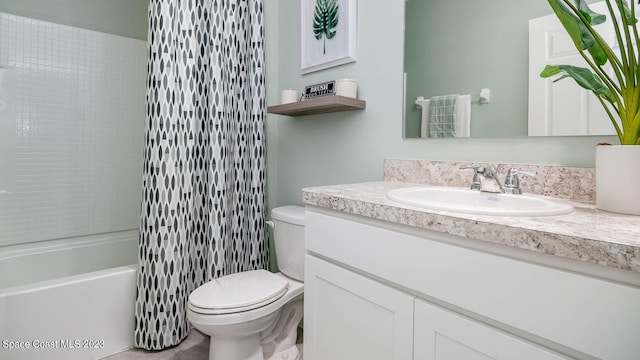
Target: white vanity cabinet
{"points": [[444, 335], [353, 317], [378, 290]]}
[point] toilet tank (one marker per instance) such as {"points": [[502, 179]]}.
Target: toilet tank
{"points": [[288, 237]]}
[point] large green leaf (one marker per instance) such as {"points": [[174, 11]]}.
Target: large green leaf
{"points": [[593, 17], [578, 31], [598, 54], [582, 76], [571, 24]]}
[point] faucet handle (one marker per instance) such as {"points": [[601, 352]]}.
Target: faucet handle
{"points": [[474, 168], [476, 183], [511, 181], [481, 170], [516, 171]]}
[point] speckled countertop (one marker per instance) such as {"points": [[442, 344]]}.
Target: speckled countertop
{"points": [[587, 234]]}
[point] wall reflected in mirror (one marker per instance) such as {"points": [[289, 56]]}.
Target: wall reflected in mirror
{"points": [[459, 47]]}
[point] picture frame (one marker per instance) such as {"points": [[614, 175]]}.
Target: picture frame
{"points": [[331, 41]]}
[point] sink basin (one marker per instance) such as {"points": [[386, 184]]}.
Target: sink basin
{"points": [[442, 198]]}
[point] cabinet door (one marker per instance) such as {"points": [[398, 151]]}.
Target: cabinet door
{"points": [[444, 335], [348, 316]]}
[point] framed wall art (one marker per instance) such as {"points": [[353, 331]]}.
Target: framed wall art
{"points": [[328, 33]]}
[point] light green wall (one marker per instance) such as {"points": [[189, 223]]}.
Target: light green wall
{"points": [[350, 146], [119, 17]]}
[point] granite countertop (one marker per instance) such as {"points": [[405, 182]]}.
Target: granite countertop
{"points": [[587, 234]]}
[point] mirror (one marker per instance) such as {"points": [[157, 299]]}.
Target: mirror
{"points": [[461, 47]]}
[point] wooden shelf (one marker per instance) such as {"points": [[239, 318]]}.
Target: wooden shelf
{"points": [[321, 105]]}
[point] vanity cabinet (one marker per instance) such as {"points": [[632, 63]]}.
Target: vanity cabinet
{"points": [[379, 290], [445, 335], [353, 317]]}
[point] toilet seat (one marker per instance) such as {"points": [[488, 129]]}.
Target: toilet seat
{"points": [[238, 293]]}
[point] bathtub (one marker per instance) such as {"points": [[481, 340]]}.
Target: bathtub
{"points": [[68, 299]]}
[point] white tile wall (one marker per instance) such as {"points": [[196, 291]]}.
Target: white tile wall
{"points": [[72, 130]]}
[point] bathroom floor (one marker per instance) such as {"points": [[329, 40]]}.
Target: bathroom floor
{"points": [[194, 347]]}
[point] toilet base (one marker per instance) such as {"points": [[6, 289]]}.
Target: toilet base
{"points": [[246, 348], [279, 342], [293, 353]]}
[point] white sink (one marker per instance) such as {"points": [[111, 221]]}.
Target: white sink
{"points": [[442, 198]]}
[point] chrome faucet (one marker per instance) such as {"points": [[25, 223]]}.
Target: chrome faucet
{"points": [[480, 172], [511, 181], [476, 183]]}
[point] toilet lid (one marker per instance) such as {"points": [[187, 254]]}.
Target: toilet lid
{"points": [[238, 292]]}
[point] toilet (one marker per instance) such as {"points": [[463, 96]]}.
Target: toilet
{"points": [[254, 315]]}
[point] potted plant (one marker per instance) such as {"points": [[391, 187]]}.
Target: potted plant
{"points": [[617, 87]]}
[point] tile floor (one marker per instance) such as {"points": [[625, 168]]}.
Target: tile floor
{"points": [[194, 347]]}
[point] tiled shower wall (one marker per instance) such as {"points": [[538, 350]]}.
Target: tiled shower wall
{"points": [[71, 130]]}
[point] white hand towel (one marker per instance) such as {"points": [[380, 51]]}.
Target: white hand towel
{"points": [[442, 116], [424, 124], [462, 117]]}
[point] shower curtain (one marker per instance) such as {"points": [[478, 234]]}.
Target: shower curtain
{"points": [[202, 213]]}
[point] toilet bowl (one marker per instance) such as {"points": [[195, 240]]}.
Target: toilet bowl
{"points": [[254, 315]]}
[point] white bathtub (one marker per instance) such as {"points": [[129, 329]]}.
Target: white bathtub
{"points": [[68, 299]]}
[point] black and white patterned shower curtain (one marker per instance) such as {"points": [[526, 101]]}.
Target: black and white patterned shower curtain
{"points": [[202, 213]]}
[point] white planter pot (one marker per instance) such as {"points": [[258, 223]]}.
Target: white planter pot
{"points": [[618, 178]]}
